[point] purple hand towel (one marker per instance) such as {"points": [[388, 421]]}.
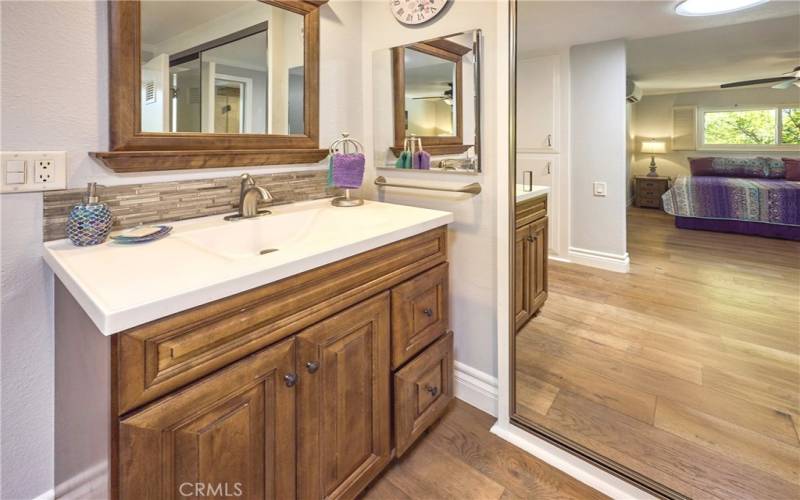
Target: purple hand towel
{"points": [[424, 160], [348, 170]]}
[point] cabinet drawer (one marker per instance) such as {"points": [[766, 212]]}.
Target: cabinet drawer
{"points": [[649, 201], [654, 185], [422, 390], [419, 313], [650, 193], [530, 210]]}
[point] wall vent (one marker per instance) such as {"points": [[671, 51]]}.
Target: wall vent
{"points": [[149, 92]]}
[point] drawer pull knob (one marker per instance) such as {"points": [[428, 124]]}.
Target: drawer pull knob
{"points": [[433, 390], [531, 238], [312, 366], [290, 379], [427, 312]]}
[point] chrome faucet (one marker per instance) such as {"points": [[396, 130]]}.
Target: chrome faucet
{"points": [[249, 196]]}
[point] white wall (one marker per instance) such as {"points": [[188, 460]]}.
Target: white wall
{"points": [[54, 96], [652, 118], [598, 117], [473, 254]]}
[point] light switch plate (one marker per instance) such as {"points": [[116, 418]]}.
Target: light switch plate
{"points": [[599, 188], [41, 171]]}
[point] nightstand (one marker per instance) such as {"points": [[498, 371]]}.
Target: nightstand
{"points": [[648, 190]]}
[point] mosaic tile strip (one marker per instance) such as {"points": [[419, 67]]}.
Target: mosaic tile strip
{"points": [[136, 204]]}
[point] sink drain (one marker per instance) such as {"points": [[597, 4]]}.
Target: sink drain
{"points": [[267, 250]]}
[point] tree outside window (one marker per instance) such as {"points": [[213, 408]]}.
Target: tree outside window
{"points": [[756, 127]]}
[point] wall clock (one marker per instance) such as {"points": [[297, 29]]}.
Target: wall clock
{"points": [[413, 12]]}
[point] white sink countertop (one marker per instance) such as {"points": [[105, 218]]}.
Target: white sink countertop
{"points": [[523, 195], [207, 259]]}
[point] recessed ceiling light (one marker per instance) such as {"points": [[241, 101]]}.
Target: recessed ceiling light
{"points": [[713, 7]]}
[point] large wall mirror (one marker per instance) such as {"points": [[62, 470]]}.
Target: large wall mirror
{"points": [[427, 95], [232, 67], [203, 83]]}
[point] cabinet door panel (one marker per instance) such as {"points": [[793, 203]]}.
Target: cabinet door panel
{"points": [[538, 266], [537, 103], [522, 276], [229, 434], [343, 405]]}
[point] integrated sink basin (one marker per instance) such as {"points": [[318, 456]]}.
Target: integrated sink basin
{"points": [[209, 258], [249, 238]]}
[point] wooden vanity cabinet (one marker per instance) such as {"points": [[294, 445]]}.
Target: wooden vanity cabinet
{"points": [[286, 402], [530, 259]]}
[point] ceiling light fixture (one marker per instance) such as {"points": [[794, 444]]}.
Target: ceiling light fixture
{"points": [[714, 7]]}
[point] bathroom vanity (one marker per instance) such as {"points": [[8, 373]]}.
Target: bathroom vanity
{"points": [[299, 372], [530, 253]]}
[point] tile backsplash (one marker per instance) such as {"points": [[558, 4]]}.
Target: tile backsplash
{"points": [[135, 204]]}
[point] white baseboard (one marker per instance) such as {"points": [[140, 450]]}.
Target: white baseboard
{"points": [[559, 259], [90, 484], [47, 495], [608, 261], [476, 388], [581, 470]]}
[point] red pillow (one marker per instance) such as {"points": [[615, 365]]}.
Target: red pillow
{"points": [[701, 166], [792, 168]]}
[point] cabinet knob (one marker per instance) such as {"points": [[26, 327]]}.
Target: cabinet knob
{"points": [[427, 312], [531, 238], [312, 366], [433, 390], [290, 379]]}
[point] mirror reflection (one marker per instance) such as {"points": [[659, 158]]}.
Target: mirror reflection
{"points": [[226, 67], [430, 105], [427, 105]]}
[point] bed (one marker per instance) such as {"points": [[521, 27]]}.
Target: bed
{"points": [[757, 206]]}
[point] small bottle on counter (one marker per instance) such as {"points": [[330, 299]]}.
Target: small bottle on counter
{"points": [[89, 222]]}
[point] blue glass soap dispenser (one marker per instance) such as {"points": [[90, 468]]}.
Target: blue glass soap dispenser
{"points": [[89, 222]]}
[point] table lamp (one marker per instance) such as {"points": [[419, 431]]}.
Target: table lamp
{"points": [[653, 148]]}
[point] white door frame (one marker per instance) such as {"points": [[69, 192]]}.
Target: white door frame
{"points": [[246, 117]]}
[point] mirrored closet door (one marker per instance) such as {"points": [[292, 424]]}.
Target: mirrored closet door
{"points": [[655, 319]]}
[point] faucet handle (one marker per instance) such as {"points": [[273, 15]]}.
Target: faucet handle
{"points": [[247, 180]]}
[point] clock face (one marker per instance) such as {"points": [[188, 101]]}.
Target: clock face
{"points": [[416, 11]]}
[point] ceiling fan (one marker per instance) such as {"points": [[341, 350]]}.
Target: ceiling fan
{"points": [[781, 82], [447, 95]]}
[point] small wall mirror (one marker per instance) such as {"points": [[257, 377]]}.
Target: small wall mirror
{"points": [[224, 67], [427, 94]]}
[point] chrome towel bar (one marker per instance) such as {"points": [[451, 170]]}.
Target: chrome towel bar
{"points": [[474, 188]]}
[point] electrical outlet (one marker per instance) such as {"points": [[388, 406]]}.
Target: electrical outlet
{"points": [[600, 188], [26, 171], [43, 171]]}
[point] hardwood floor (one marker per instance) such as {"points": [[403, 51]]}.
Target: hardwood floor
{"points": [[460, 459], [686, 369]]}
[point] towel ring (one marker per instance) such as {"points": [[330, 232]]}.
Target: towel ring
{"points": [[343, 146]]}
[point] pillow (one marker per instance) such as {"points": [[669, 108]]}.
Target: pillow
{"points": [[729, 167], [701, 166], [792, 166], [775, 168]]}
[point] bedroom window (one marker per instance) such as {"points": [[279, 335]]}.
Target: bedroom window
{"points": [[751, 128]]}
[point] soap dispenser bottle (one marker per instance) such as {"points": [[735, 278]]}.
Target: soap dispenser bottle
{"points": [[89, 222]]}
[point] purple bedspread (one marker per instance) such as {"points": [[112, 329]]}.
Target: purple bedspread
{"points": [[772, 201]]}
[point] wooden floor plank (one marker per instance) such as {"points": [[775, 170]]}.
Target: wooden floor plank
{"points": [[746, 446], [703, 333], [460, 459]]}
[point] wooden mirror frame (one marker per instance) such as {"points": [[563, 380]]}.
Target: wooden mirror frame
{"points": [[435, 145], [132, 150]]}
